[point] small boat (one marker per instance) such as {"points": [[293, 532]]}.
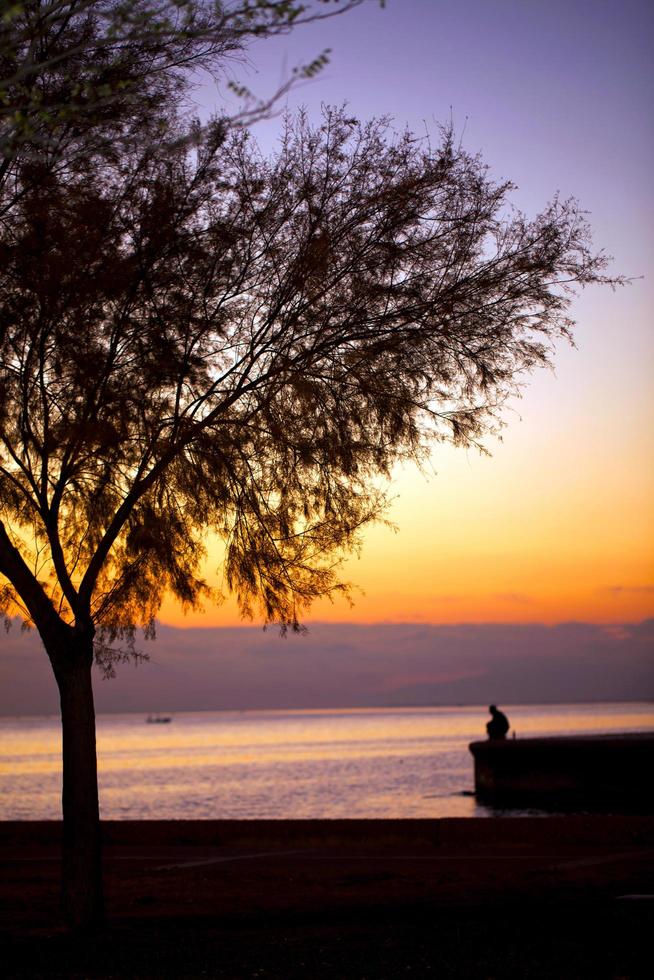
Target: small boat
{"points": [[158, 719]]}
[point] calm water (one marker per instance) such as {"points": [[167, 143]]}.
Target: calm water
{"points": [[402, 762]]}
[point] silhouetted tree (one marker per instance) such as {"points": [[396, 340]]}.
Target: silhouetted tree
{"points": [[203, 339], [79, 73]]}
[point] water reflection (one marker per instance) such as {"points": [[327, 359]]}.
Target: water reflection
{"points": [[411, 762]]}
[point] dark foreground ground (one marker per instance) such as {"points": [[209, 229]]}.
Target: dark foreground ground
{"points": [[498, 898]]}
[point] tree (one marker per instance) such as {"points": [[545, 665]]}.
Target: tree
{"points": [[78, 70], [196, 338]]}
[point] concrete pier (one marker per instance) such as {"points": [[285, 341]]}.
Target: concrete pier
{"points": [[611, 773]]}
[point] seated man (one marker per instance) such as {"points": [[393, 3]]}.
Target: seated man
{"points": [[498, 726]]}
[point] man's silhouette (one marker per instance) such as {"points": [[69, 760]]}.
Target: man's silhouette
{"points": [[498, 726]]}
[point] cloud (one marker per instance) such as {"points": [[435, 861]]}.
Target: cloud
{"points": [[520, 598], [618, 632], [395, 682], [346, 665], [618, 590]]}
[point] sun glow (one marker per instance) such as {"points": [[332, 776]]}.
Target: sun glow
{"points": [[535, 533]]}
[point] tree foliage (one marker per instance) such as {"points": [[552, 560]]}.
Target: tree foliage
{"points": [[81, 72], [203, 338]]}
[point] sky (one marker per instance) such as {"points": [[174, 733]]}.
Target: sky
{"points": [[557, 523], [527, 574], [348, 665]]}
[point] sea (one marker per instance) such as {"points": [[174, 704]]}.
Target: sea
{"points": [[252, 765]]}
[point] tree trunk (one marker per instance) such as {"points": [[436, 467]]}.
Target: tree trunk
{"points": [[82, 871]]}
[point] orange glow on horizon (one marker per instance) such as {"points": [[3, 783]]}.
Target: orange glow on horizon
{"points": [[539, 532]]}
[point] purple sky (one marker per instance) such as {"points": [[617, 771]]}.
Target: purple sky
{"points": [[353, 666]]}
